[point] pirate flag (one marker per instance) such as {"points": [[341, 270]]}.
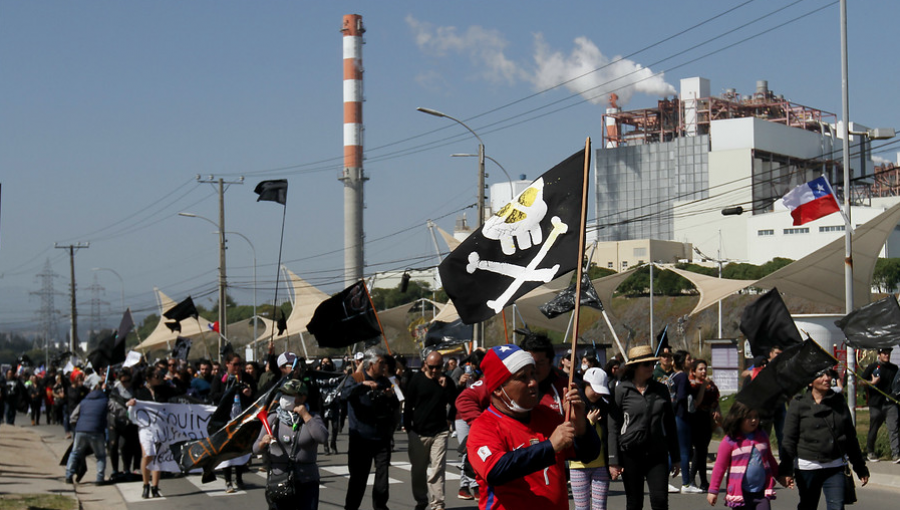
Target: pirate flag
{"points": [[345, 318], [565, 300], [231, 441], [528, 242]]}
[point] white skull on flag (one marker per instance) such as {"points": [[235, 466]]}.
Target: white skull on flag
{"points": [[519, 222]]}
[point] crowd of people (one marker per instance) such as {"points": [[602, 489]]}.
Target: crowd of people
{"points": [[522, 431]]}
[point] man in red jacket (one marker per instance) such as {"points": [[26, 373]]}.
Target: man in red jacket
{"points": [[517, 447]]}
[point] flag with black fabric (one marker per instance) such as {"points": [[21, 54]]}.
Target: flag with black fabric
{"points": [[272, 191], [662, 340], [109, 351], [565, 301], [233, 440], [787, 374], [452, 333], [528, 242], [182, 348], [873, 326], [767, 322], [345, 318], [282, 324], [125, 325], [182, 310], [174, 326]]}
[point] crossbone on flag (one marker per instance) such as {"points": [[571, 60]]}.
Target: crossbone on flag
{"points": [[528, 242]]}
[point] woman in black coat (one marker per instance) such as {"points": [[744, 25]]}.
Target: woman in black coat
{"points": [[820, 437]]}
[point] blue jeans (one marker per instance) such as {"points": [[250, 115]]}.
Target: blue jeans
{"points": [[812, 483], [11, 410], [97, 442], [684, 446]]}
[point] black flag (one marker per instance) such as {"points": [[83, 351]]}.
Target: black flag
{"points": [[345, 318], [182, 310], [662, 340], [767, 322], [565, 300], [785, 375], [282, 324], [174, 326], [125, 325], [527, 243], [109, 351], [452, 333], [873, 326], [272, 191]]}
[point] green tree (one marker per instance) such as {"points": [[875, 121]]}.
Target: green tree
{"points": [[887, 274]]}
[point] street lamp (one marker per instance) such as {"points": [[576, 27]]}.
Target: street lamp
{"points": [[512, 191], [113, 271], [477, 332], [253, 248], [223, 318]]}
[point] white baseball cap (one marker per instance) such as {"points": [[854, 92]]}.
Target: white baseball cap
{"points": [[598, 380], [286, 358], [359, 356]]}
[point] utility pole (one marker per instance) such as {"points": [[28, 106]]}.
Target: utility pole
{"points": [[73, 334], [223, 317], [47, 314]]}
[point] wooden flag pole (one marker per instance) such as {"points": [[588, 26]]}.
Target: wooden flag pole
{"points": [[505, 331], [578, 270], [380, 327]]}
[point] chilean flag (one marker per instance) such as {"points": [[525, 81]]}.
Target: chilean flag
{"points": [[811, 201]]}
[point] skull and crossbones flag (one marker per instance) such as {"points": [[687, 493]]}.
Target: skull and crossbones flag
{"points": [[528, 242]]}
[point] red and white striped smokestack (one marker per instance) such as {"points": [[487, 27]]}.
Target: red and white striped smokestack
{"points": [[353, 75], [353, 176]]}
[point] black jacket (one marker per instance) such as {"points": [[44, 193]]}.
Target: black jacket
{"points": [[887, 372], [631, 406], [820, 432]]}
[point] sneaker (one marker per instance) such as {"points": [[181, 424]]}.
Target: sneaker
{"points": [[465, 494], [872, 457], [229, 489], [475, 493], [691, 489], [895, 459], [673, 489]]}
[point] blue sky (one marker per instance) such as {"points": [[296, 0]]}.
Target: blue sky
{"points": [[109, 109]]}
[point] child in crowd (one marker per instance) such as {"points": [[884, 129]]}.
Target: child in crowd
{"points": [[746, 455]]}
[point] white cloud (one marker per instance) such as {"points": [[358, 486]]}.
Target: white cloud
{"points": [[485, 48], [593, 74]]}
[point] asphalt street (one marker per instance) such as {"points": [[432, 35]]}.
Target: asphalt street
{"points": [[188, 492]]}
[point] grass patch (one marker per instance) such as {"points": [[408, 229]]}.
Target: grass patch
{"points": [[37, 502]]}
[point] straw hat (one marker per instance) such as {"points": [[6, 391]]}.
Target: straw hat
{"points": [[640, 354]]}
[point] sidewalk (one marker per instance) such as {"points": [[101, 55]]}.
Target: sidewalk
{"points": [[29, 464]]}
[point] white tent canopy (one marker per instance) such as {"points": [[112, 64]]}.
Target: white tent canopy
{"points": [[163, 337], [711, 289], [306, 299]]}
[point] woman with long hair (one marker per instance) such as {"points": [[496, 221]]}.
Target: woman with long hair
{"points": [[705, 416], [639, 447], [155, 389], [680, 391]]}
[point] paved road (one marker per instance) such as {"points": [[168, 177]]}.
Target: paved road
{"points": [[187, 492]]}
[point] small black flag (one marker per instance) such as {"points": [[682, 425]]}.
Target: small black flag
{"points": [[767, 322], [526, 243], [785, 375], [109, 351], [565, 300], [182, 310], [272, 191], [282, 324], [174, 327], [345, 318], [873, 326], [125, 325]]}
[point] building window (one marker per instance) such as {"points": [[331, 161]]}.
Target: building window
{"points": [[609, 265], [768, 232], [624, 264], [790, 231], [640, 262], [837, 228], [639, 252]]}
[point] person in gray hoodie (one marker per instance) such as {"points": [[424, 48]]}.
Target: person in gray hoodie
{"points": [[89, 424]]}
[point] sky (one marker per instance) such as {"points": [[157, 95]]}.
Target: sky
{"points": [[110, 110]]}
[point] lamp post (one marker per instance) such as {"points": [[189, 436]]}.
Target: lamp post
{"points": [[113, 271], [477, 333], [512, 190], [223, 317], [253, 249]]}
